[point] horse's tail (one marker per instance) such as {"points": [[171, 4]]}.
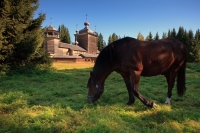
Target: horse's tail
{"points": [[181, 80]]}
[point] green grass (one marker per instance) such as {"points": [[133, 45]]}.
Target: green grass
{"points": [[54, 100]]}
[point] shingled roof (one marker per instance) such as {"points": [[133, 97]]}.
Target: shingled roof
{"points": [[71, 46]]}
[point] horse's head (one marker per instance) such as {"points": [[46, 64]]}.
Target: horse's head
{"points": [[95, 89]]}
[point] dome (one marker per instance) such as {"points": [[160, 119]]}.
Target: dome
{"points": [[86, 24], [51, 28], [86, 29]]}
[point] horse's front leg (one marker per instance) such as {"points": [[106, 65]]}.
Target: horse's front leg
{"points": [[128, 86], [135, 80]]}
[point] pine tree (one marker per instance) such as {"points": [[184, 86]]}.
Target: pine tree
{"points": [[173, 33], [194, 47], [147, 38], [140, 37], [114, 37], [156, 37], [181, 35], [150, 37], [169, 34], [100, 43], [21, 36], [64, 34], [197, 45], [59, 28], [164, 35], [110, 40]]}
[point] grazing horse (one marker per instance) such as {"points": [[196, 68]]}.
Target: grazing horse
{"points": [[133, 58]]}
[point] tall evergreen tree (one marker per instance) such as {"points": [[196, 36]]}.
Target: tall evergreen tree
{"points": [[197, 45], [59, 28], [169, 34], [150, 37], [147, 38], [100, 43], [21, 36], [110, 40], [164, 35], [140, 37], [173, 33], [64, 34], [193, 46], [189, 40], [181, 35], [156, 37], [114, 37]]}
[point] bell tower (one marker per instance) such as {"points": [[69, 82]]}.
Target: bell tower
{"points": [[87, 39], [51, 39]]}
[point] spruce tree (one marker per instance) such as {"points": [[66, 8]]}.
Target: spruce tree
{"points": [[156, 37], [59, 28], [147, 38], [110, 40], [150, 37], [181, 35], [21, 36], [64, 34], [100, 43], [197, 45], [169, 34], [193, 43], [164, 35], [114, 37], [173, 33], [140, 37]]}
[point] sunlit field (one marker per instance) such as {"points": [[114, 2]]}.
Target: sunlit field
{"points": [[62, 66], [54, 101]]}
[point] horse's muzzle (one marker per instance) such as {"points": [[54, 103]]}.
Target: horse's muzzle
{"points": [[91, 100]]}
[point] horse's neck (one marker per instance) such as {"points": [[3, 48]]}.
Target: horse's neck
{"points": [[102, 76]]}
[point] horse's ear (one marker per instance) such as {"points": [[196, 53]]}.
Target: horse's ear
{"points": [[91, 74]]}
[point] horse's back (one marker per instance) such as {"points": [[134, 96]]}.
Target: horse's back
{"points": [[150, 57]]}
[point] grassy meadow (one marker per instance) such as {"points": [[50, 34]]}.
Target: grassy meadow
{"points": [[54, 101]]}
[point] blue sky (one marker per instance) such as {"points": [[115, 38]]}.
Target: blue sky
{"points": [[123, 17]]}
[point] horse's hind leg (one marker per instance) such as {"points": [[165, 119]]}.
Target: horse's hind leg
{"points": [[170, 77], [128, 86], [135, 79]]}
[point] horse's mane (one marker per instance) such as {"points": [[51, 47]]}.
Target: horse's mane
{"points": [[108, 55]]}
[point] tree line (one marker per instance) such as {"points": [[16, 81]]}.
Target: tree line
{"points": [[190, 39]]}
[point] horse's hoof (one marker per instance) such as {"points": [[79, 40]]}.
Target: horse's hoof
{"points": [[130, 102], [153, 105], [168, 101]]}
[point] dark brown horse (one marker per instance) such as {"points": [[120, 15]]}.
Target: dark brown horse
{"points": [[133, 58]]}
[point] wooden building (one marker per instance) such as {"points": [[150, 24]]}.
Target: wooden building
{"points": [[84, 49]]}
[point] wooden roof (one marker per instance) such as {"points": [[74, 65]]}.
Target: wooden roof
{"points": [[71, 46]]}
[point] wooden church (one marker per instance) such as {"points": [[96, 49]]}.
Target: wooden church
{"points": [[84, 50]]}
